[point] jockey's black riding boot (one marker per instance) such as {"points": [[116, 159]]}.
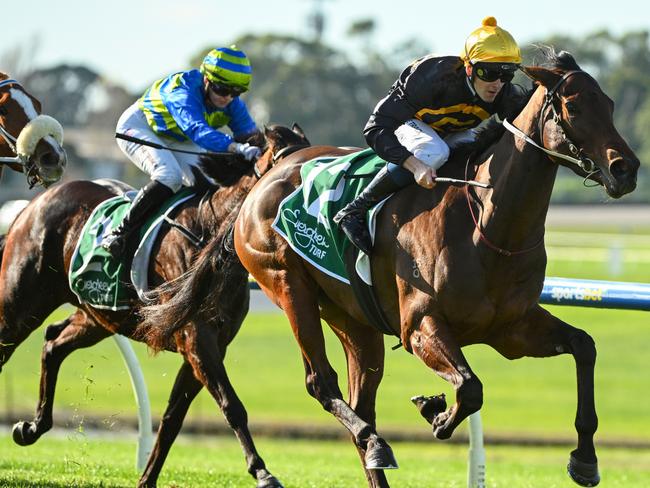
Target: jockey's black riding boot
{"points": [[148, 199], [352, 218]]}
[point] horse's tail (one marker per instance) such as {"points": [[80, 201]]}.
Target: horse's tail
{"points": [[197, 294]]}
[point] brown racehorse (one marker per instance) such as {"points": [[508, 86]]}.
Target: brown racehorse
{"points": [[37, 252], [451, 267], [30, 143]]}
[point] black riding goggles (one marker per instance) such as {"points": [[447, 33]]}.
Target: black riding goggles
{"points": [[226, 90], [495, 71]]}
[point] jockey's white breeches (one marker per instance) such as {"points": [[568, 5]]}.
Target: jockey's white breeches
{"points": [[172, 169], [423, 142]]}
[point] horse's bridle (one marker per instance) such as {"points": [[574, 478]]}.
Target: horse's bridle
{"points": [[287, 150], [277, 156], [579, 158]]}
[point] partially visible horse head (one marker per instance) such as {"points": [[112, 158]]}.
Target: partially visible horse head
{"points": [[29, 141], [277, 141], [279, 137], [577, 118]]}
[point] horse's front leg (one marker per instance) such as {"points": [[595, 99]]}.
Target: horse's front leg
{"points": [[540, 334], [364, 352], [62, 338], [434, 344]]}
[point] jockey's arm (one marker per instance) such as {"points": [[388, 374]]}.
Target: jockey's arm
{"points": [[241, 123], [187, 111], [406, 96]]}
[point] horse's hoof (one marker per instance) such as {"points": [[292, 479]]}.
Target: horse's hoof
{"points": [[585, 474], [443, 426], [24, 433], [269, 481], [379, 455], [430, 406]]}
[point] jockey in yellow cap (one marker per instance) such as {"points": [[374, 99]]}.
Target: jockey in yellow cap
{"points": [[434, 107]]}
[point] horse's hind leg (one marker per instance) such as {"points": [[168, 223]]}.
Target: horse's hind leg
{"points": [[364, 351], [185, 389], [435, 346], [204, 351], [541, 334], [62, 338]]}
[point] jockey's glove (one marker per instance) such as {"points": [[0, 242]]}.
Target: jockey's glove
{"points": [[250, 153], [461, 138]]}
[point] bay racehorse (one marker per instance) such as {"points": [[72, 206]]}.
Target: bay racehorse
{"points": [[33, 282], [30, 142], [452, 266]]}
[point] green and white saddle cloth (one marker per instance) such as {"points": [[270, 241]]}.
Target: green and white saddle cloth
{"points": [[99, 280], [304, 217]]}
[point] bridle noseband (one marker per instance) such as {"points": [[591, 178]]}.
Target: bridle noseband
{"points": [[578, 156]]}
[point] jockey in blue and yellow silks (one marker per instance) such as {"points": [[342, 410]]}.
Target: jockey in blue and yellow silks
{"points": [[175, 107], [184, 111]]}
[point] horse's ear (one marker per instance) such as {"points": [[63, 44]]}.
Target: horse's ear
{"points": [[270, 135], [298, 130], [541, 76]]}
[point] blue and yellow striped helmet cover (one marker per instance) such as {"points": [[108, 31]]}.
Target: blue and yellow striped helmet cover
{"points": [[227, 65]]}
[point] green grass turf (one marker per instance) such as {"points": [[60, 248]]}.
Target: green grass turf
{"points": [[86, 461], [527, 397]]}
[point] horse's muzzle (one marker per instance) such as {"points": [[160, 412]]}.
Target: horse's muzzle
{"points": [[624, 173], [50, 164]]}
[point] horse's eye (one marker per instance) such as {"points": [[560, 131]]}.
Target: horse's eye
{"points": [[3, 111], [572, 108]]}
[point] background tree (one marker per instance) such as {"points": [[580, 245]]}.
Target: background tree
{"points": [[332, 91]]}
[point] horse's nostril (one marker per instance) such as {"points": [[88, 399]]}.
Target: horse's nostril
{"points": [[49, 158], [619, 168]]}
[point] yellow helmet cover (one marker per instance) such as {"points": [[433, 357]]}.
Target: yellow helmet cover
{"points": [[490, 44]]}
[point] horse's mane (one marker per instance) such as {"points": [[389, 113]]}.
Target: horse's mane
{"points": [[551, 59], [226, 170]]}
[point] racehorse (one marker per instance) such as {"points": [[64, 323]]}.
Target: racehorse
{"points": [[452, 266], [37, 251], [30, 142]]}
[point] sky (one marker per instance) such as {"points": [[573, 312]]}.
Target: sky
{"points": [[135, 42]]}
